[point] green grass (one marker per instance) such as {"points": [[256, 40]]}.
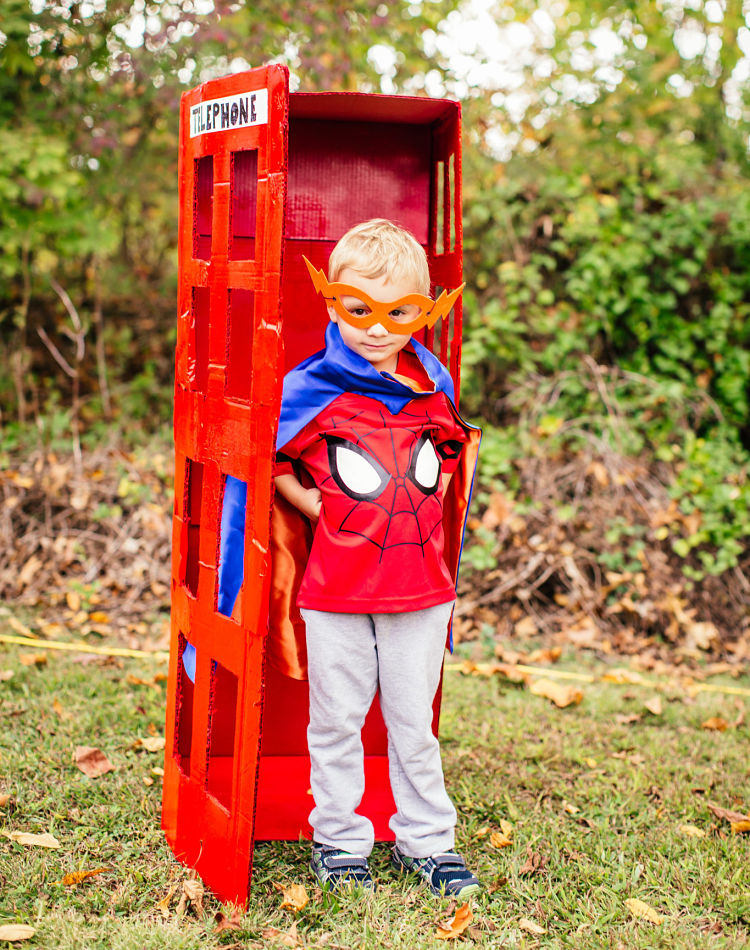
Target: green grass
{"points": [[599, 803]]}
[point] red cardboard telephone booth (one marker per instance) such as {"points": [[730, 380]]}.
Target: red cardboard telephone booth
{"points": [[267, 177]]}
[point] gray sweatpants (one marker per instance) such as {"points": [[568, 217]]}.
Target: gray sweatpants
{"points": [[349, 657]]}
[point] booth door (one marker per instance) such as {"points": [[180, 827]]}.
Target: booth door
{"points": [[232, 187]]}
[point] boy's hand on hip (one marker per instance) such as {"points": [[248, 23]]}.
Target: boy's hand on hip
{"points": [[311, 503]]}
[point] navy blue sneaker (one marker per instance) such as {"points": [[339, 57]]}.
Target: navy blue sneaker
{"points": [[336, 869], [444, 873]]}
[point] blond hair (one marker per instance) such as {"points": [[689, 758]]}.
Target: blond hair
{"points": [[380, 248]]}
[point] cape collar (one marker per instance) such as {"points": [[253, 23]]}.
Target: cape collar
{"points": [[317, 381]]}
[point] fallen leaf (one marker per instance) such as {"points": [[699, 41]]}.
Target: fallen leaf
{"points": [[737, 827], [715, 724], [654, 705], [289, 939], [32, 659], [506, 827], [479, 833], [622, 676], [455, 926], [73, 600], [75, 877], [530, 926], [727, 814], [14, 932], [163, 905], [571, 809], [45, 840], [498, 840], [535, 862], [294, 897], [92, 762], [526, 628], [21, 628], [691, 831], [6, 675], [640, 909], [560, 694], [153, 743], [625, 719], [4, 799], [192, 893], [545, 655], [233, 922], [701, 635]]}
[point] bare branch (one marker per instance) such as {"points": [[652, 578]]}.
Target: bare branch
{"points": [[58, 357]]}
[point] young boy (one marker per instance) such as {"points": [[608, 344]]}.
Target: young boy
{"points": [[367, 459]]}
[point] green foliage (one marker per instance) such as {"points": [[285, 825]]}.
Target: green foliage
{"points": [[712, 488]]}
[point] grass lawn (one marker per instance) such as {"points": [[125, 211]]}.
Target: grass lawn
{"points": [[598, 811]]}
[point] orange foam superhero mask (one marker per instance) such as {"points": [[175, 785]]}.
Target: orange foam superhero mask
{"points": [[403, 316]]}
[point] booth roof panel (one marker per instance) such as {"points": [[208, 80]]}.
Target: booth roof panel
{"points": [[364, 107]]}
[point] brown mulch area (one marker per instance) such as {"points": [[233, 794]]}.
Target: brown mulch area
{"points": [[86, 549], [550, 581], [85, 552]]}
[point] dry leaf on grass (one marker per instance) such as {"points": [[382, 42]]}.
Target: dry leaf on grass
{"points": [[75, 877], [644, 911], [535, 862], [92, 762], [289, 939], [738, 821], [545, 655], [531, 927], [451, 928], [45, 840], [192, 893], [4, 799], [621, 676], [499, 840], [33, 659], [691, 831], [14, 932], [560, 694], [715, 724], [153, 743], [163, 905], [626, 719], [654, 705], [233, 922], [294, 897]]}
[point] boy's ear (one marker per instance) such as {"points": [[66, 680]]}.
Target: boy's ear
{"points": [[333, 315]]}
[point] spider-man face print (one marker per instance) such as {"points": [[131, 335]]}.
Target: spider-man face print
{"points": [[389, 480]]}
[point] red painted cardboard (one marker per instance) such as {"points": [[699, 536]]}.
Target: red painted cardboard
{"points": [[266, 177]]}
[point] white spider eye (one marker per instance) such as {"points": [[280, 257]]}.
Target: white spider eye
{"points": [[426, 466], [354, 471]]}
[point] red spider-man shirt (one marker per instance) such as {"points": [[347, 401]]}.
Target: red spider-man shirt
{"points": [[378, 545]]}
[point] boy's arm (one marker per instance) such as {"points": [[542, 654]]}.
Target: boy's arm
{"points": [[307, 500]]}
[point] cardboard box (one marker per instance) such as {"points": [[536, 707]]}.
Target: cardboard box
{"points": [[266, 177]]}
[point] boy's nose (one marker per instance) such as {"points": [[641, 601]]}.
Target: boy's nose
{"points": [[377, 329]]}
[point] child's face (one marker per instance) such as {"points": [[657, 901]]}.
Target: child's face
{"points": [[380, 347]]}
